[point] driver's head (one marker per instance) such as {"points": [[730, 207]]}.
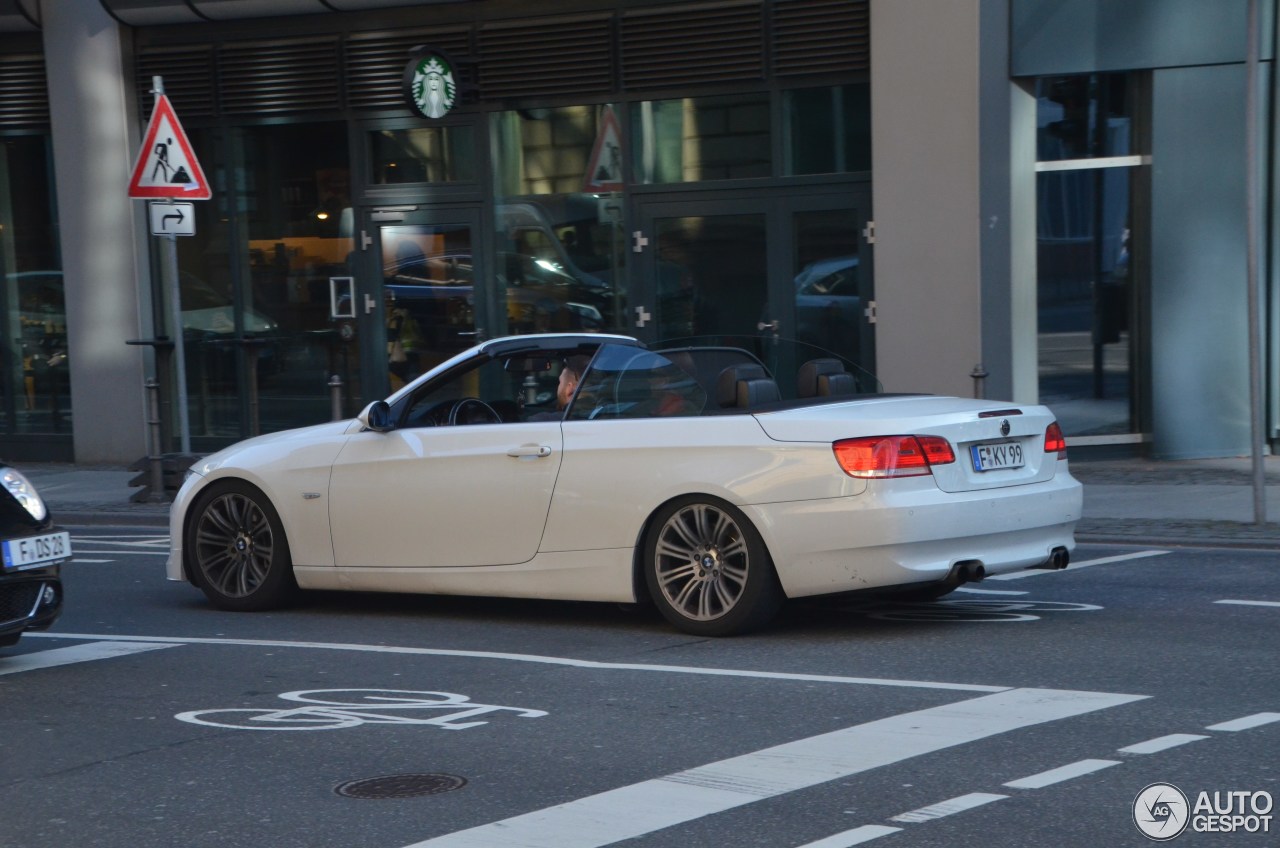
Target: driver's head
{"points": [[570, 376]]}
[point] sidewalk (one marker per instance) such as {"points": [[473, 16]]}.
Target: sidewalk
{"points": [[1130, 501], [1177, 502]]}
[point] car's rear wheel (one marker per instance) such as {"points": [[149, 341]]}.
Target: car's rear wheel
{"points": [[708, 570], [236, 549]]}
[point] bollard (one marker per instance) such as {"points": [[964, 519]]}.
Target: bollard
{"points": [[979, 375], [335, 398], [156, 458]]}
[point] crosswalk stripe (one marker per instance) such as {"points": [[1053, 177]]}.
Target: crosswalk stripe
{"points": [[1163, 743], [857, 836], [948, 808], [76, 654], [1247, 723], [1058, 775], [633, 811]]}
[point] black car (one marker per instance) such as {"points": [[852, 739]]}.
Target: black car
{"points": [[31, 552]]}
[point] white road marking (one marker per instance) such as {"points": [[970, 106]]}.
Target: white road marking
{"points": [[116, 546], [148, 541], [1076, 566], [641, 808], [1251, 603], [1246, 723], [530, 658], [947, 808], [991, 591], [76, 551], [76, 654], [857, 836], [1162, 743], [1058, 775]]}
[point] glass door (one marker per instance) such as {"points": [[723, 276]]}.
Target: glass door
{"points": [[830, 278], [789, 267], [428, 302], [703, 270]]}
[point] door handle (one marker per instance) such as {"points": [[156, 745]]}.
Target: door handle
{"points": [[536, 451]]}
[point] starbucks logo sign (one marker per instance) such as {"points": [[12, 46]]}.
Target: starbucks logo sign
{"points": [[429, 84]]}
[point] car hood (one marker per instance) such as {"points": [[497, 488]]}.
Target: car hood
{"points": [[280, 443]]}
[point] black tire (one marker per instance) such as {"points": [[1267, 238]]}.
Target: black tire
{"points": [[707, 569], [236, 550]]}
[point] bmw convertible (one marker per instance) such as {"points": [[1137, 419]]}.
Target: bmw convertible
{"points": [[713, 480]]}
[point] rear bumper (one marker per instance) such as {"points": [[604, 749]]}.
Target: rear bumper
{"points": [[908, 531]]}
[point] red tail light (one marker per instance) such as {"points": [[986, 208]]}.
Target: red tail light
{"points": [[892, 456], [1054, 441]]}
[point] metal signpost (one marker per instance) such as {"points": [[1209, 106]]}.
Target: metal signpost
{"points": [[167, 169]]}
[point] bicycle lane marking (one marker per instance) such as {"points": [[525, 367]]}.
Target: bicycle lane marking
{"points": [[641, 808], [360, 706]]}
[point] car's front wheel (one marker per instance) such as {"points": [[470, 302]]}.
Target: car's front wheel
{"points": [[708, 570], [236, 548]]}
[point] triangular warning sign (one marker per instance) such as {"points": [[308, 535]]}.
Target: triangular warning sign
{"points": [[166, 165], [604, 170]]}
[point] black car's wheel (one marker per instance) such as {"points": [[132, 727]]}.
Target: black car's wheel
{"points": [[707, 568], [236, 551]]}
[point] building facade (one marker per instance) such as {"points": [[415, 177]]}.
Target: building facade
{"points": [[1035, 200]]}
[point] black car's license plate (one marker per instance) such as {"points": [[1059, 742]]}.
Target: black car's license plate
{"points": [[35, 550]]}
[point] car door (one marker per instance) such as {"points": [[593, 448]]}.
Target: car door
{"points": [[441, 496]]}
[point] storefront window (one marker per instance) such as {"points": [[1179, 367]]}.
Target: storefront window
{"points": [[33, 370], [558, 180], [1085, 117], [1089, 237], [828, 130], [701, 138], [261, 345], [423, 155]]}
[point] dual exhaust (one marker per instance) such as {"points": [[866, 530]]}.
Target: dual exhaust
{"points": [[973, 571], [967, 571], [1058, 559]]}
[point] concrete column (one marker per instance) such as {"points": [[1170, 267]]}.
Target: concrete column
{"points": [[925, 83], [105, 267]]}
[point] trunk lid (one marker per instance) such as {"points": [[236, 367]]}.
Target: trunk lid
{"points": [[1007, 440]]}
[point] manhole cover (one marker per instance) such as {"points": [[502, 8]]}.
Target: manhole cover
{"points": [[400, 786]]}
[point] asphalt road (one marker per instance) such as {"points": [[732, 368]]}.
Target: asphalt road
{"points": [[1026, 711]]}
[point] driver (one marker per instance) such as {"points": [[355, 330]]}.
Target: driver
{"points": [[570, 375]]}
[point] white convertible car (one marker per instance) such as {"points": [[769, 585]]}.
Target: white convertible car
{"points": [[692, 476]]}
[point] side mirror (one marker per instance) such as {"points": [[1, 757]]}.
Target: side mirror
{"points": [[377, 417]]}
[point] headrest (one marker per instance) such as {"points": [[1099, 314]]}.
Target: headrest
{"points": [[727, 383], [819, 377], [755, 392]]}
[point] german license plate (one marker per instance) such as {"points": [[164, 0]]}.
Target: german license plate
{"points": [[997, 455], [35, 550]]}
